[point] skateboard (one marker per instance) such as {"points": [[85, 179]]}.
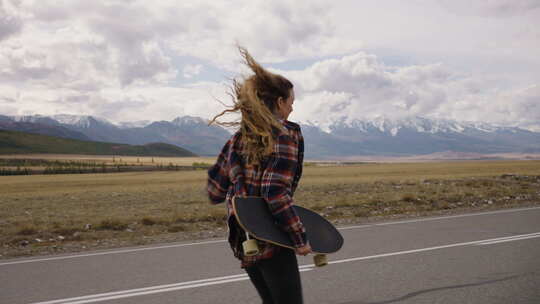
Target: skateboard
{"points": [[256, 219]]}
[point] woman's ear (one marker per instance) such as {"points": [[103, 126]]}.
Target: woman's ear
{"points": [[279, 102], [279, 106]]}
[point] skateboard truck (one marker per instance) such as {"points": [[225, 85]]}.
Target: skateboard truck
{"points": [[250, 246]]}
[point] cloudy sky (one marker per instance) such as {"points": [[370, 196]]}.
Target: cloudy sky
{"points": [[129, 60]]}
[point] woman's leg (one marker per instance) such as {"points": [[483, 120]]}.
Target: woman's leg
{"points": [[257, 279], [282, 277]]}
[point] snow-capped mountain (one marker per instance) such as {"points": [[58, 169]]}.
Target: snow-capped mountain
{"points": [[93, 127], [342, 137], [134, 124], [392, 127], [188, 121], [34, 119], [420, 135], [193, 132], [80, 121], [40, 125]]}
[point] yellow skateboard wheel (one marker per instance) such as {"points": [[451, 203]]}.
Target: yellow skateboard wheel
{"points": [[320, 260], [250, 247]]}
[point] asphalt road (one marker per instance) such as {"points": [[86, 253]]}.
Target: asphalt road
{"points": [[489, 257]]}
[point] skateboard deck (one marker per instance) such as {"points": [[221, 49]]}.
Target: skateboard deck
{"points": [[254, 217]]}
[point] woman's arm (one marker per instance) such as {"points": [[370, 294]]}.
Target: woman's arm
{"points": [[276, 187], [218, 178], [298, 173]]}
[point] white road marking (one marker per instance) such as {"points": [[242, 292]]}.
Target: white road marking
{"points": [[241, 277], [223, 240], [480, 242], [439, 218], [513, 238], [110, 252], [143, 291], [151, 290]]}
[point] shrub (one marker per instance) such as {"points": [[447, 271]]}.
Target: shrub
{"points": [[361, 213], [27, 230], [148, 221], [176, 228], [112, 224], [201, 165], [408, 197], [65, 230]]}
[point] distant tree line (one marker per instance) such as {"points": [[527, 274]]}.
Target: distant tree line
{"points": [[28, 166], [18, 171]]}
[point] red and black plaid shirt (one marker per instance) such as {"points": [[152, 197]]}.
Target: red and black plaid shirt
{"points": [[275, 179]]}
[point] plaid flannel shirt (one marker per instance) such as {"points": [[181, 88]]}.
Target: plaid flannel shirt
{"points": [[275, 179]]}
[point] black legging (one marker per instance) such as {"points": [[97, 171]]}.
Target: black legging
{"points": [[277, 279]]}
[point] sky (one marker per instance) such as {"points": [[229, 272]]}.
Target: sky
{"points": [[130, 60]]}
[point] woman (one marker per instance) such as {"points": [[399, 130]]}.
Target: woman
{"points": [[264, 158]]}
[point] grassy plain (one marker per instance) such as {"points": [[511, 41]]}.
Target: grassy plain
{"points": [[71, 212]]}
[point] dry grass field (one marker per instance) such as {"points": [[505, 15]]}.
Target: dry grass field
{"points": [[72, 212]]}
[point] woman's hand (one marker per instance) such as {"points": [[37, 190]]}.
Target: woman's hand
{"points": [[305, 250]]}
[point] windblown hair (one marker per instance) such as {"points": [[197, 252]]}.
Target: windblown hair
{"points": [[256, 99]]}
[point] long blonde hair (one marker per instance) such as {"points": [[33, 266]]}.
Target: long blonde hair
{"points": [[256, 99]]}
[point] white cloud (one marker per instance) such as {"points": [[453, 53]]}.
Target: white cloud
{"points": [[360, 86], [10, 21], [192, 70], [520, 107], [442, 31], [492, 8], [126, 60]]}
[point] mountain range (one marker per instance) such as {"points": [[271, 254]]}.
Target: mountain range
{"points": [[340, 138], [417, 135], [191, 133]]}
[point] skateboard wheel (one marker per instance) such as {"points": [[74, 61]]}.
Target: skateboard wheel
{"points": [[320, 260], [250, 247]]}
